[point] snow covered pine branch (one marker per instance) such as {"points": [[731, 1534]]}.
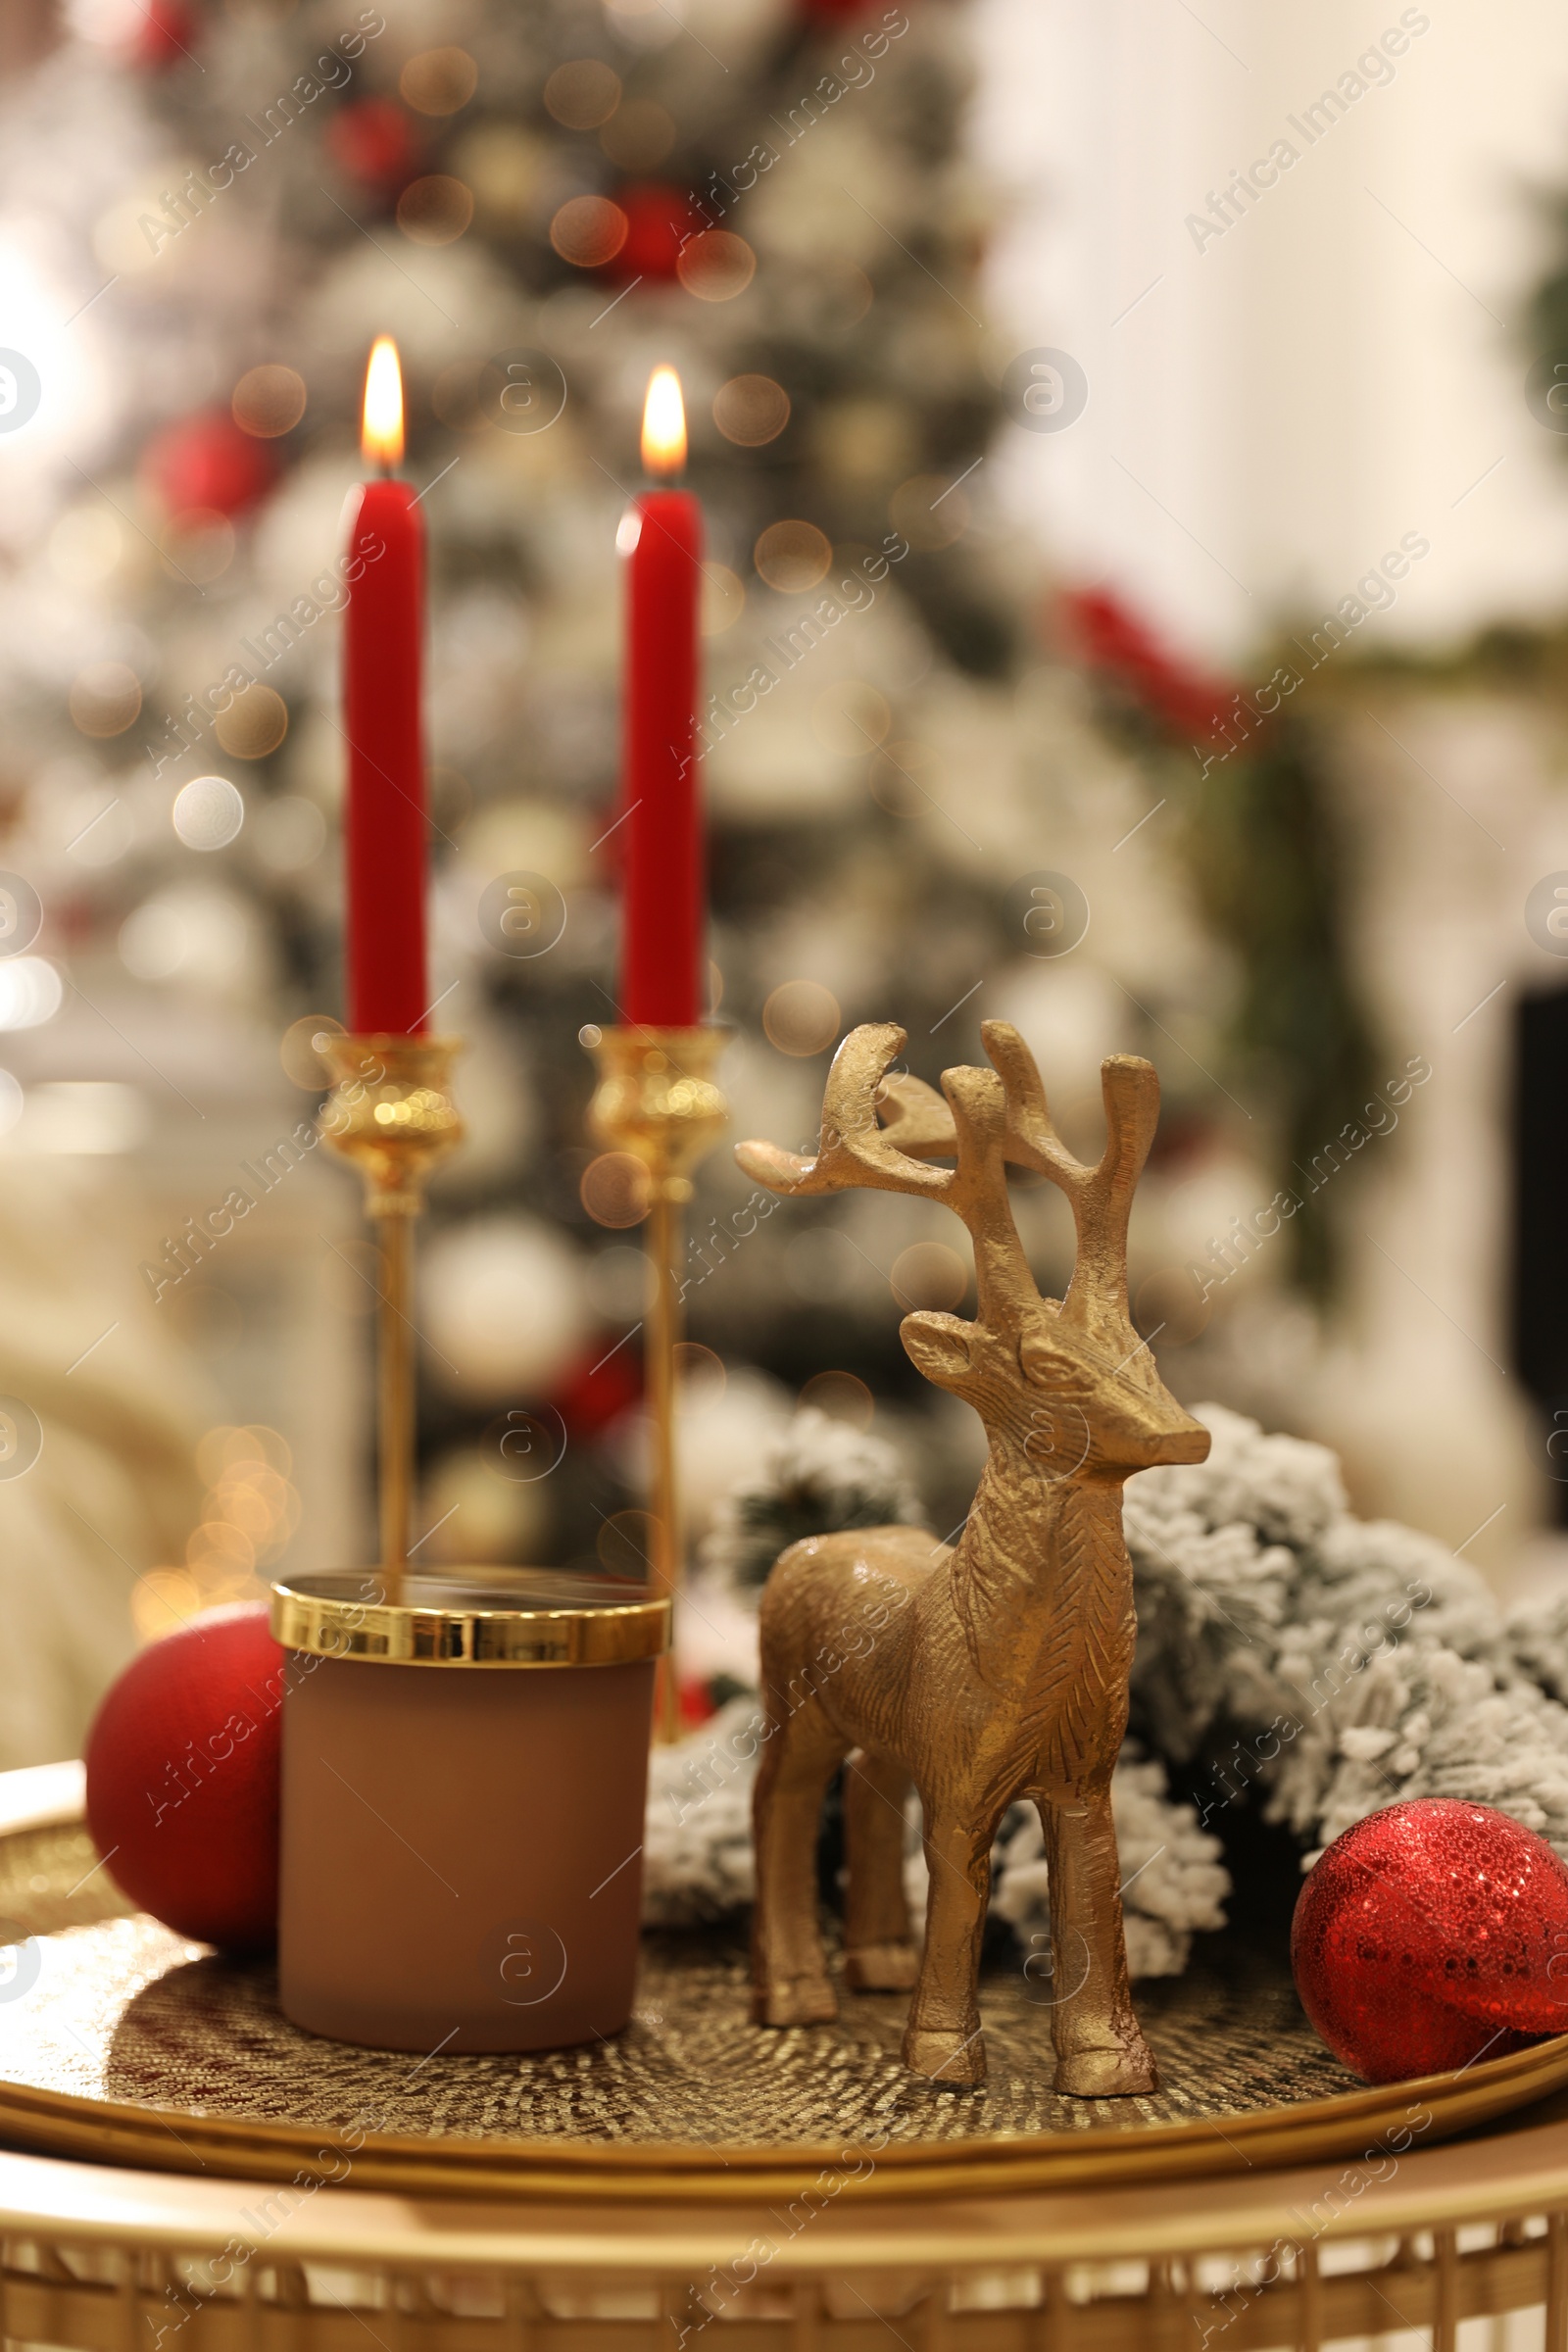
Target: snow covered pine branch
{"points": [[1316, 1665]]}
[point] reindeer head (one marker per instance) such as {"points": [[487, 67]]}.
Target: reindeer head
{"points": [[1068, 1384]]}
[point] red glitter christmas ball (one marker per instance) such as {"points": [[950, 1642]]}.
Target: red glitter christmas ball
{"points": [[1428, 1935], [182, 1778]]}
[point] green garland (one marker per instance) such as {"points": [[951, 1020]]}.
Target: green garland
{"points": [[1261, 840], [1269, 870]]}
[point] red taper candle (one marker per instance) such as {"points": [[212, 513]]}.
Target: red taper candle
{"points": [[665, 915], [384, 823]]}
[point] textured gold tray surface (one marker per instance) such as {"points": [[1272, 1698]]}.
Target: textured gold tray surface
{"points": [[181, 2058], [126, 2011]]}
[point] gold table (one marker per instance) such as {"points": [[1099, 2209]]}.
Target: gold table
{"points": [[100, 2258]]}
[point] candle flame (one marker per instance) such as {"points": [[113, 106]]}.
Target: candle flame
{"points": [[381, 439], [663, 424]]}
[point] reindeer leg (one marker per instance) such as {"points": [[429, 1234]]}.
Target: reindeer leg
{"points": [[1101, 2052], [879, 1954], [789, 1969], [943, 2036]]}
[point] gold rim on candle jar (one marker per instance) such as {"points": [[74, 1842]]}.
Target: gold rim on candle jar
{"points": [[514, 1617]]}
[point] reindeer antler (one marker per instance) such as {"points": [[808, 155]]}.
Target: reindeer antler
{"points": [[1101, 1196], [856, 1151], [853, 1149], [915, 1117], [990, 1117]]}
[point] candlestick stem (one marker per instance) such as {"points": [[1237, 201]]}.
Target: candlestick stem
{"points": [[390, 1112], [656, 1100], [395, 1374], [664, 1226]]}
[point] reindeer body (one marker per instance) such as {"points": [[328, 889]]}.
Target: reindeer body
{"points": [[996, 1670]]}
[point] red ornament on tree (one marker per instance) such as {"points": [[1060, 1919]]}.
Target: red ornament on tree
{"points": [[1430, 1933], [1111, 638], [161, 34], [207, 460], [660, 222], [591, 1394], [696, 1702], [376, 141], [182, 1778]]}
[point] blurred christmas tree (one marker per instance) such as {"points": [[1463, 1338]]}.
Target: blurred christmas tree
{"points": [[916, 809]]}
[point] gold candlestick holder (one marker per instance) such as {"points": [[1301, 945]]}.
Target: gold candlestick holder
{"points": [[656, 1099], [390, 1112]]}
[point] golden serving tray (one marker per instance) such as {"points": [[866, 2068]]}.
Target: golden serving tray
{"points": [[120, 2041]]}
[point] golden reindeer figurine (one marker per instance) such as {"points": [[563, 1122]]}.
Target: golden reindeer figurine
{"points": [[996, 1670]]}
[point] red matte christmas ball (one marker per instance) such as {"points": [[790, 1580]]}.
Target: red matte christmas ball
{"points": [[182, 1778], [1430, 1933], [377, 141], [164, 32], [207, 460], [591, 1394], [659, 220]]}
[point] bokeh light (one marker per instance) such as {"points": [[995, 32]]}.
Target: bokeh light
{"points": [[208, 812], [793, 557], [105, 697], [802, 1016], [582, 93], [438, 81], [436, 210], [751, 411], [615, 1189], [269, 401], [254, 725], [716, 266], [588, 232], [928, 1274], [31, 992], [250, 1510]]}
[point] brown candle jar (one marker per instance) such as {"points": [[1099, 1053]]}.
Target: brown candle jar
{"points": [[464, 1777]]}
